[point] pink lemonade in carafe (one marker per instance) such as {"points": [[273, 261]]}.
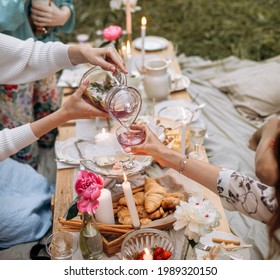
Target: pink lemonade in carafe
{"points": [[110, 93]]}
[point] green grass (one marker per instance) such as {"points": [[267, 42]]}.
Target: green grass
{"points": [[208, 28]]}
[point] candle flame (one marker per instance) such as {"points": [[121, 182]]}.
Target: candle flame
{"points": [[143, 21], [147, 251], [124, 177], [103, 130], [128, 48]]}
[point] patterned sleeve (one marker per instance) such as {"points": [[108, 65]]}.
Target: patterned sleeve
{"points": [[248, 196]]}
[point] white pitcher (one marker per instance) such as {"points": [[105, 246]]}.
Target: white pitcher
{"points": [[157, 80]]}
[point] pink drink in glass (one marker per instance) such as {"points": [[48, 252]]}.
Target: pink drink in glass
{"points": [[130, 137]]}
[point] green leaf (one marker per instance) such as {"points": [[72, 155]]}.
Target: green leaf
{"points": [[104, 44], [72, 211]]}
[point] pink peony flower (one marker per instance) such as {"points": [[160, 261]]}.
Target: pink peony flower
{"points": [[112, 32], [88, 186]]}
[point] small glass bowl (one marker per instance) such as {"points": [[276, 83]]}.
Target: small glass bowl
{"points": [[148, 238]]}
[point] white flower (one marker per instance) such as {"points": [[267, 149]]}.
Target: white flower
{"points": [[116, 4], [133, 3], [198, 216], [121, 5]]}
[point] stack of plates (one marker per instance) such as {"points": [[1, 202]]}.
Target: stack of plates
{"points": [[151, 43]]}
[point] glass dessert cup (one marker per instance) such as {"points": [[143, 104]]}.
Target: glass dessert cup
{"points": [[128, 137]]}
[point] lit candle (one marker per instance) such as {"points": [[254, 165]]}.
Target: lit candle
{"points": [[124, 55], [128, 55], [130, 202], [183, 136], [128, 18], [147, 255], [105, 213], [143, 34], [102, 136]]}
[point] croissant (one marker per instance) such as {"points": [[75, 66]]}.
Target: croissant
{"points": [[149, 184], [155, 215], [181, 196], [145, 221], [138, 199], [123, 216], [122, 210], [170, 202], [154, 196], [125, 220], [141, 211]]}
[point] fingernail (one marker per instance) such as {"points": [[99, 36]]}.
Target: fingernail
{"points": [[86, 82], [127, 150], [113, 68]]}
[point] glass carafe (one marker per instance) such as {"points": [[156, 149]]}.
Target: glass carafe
{"points": [[109, 92]]}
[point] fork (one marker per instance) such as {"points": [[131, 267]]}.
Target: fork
{"points": [[203, 247]]}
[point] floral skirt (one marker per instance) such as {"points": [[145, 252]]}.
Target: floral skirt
{"points": [[25, 103]]}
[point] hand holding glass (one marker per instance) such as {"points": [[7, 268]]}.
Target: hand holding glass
{"points": [[128, 137]]}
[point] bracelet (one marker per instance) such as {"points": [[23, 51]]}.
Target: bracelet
{"points": [[182, 163]]}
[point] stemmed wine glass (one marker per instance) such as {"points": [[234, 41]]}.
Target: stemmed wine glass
{"points": [[128, 137], [197, 132]]}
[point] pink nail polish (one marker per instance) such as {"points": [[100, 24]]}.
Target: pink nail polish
{"points": [[113, 68], [86, 82]]}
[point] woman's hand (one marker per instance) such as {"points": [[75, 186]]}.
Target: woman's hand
{"points": [[76, 107], [107, 58], [44, 16], [152, 146]]}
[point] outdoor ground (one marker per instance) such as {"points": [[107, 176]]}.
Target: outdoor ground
{"points": [[208, 28]]}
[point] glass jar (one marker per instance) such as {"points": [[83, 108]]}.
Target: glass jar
{"points": [[109, 92]]}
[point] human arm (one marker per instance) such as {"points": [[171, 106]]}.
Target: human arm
{"points": [[26, 61], [12, 140], [53, 15], [237, 192], [262, 141], [168, 157]]}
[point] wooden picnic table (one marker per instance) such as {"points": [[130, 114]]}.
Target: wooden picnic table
{"points": [[65, 177]]}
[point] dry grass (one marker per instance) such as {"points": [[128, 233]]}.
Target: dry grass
{"points": [[208, 28]]}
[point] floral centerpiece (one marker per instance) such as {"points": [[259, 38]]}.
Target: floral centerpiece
{"points": [[198, 216], [110, 34], [88, 188]]}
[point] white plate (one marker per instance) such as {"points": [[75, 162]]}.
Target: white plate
{"points": [[152, 43], [71, 76], [97, 165], [69, 153], [171, 109], [243, 253]]}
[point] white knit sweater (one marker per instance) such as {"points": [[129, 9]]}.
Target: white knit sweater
{"points": [[22, 62], [26, 61]]}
